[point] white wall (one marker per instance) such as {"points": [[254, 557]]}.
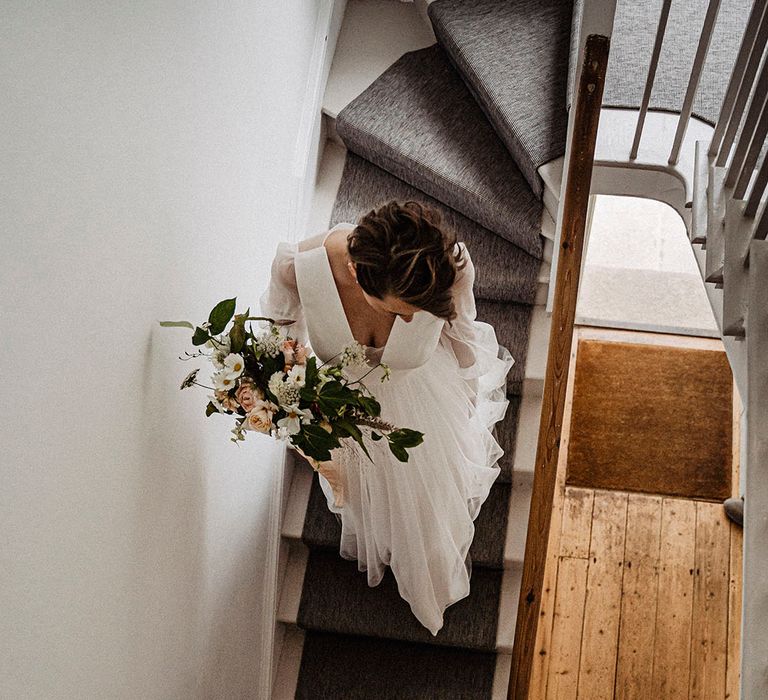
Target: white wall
{"points": [[146, 155]]}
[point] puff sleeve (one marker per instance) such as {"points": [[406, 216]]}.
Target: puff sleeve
{"points": [[280, 299], [482, 362]]}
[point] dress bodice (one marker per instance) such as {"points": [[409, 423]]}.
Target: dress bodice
{"points": [[409, 345]]}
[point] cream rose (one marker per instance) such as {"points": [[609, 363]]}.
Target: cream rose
{"points": [[227, 402], [259, 418]]}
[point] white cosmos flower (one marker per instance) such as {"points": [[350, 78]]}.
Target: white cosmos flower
{"points": [[220, 350], [297, 375], [223, 380], [296, 416], [234, 364]]}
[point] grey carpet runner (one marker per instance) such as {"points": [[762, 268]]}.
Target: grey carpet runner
{"points": [[632, 43], [338, 667], [419, 122], [337, 598], [513, 57], [419, 135]]}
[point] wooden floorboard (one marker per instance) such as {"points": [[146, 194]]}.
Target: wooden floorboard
{"points": [[709, 623], [642, 593], [602, 608], [639, 596]]}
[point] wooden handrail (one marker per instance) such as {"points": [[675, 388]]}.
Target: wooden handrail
{"points": [[589, 97]]}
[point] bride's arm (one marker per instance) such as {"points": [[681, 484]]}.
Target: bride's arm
{"points": [[481, 361], [280, 300]]}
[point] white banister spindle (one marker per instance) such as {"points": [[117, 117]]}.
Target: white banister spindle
{"points": [[754, 673], [693, 82], [745, 90], [660, 31], [759, 10], [758, 189], [748, 129], [738, 236], [753, 152]]}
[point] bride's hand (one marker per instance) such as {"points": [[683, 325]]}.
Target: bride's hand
{"points": [[332, 472]]}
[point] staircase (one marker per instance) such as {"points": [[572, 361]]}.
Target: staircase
{"points": [[474, 126]]}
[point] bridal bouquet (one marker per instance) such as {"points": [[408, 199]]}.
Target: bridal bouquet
{"points": [[271, 384]]}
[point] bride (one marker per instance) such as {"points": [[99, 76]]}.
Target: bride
{"points": [[401, 285]]}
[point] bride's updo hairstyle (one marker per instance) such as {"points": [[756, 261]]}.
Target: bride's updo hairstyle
{"points": [[401, 250]]}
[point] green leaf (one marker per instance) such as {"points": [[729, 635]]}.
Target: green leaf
{"points": [[348, 429], [221, 315], [315, 442], [210, 409], [375, 437], [334, 396], [177, 324], [237, 336], [399, 452], [370, 405], [406, 437], [311, 373], [201, 337]]}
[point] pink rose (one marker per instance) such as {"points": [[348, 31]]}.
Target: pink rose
{"points": [[246, 396]]}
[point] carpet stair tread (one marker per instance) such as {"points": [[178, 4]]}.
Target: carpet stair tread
{"points": [[420, 122], [513, 56], [503, 272], [336, 597], [344, 667], [512, 324], [322, 529]]}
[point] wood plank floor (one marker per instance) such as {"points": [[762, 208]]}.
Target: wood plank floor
{"points": [[642, 592]]}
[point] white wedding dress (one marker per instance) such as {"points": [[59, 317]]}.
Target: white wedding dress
{"points": [[449, 382]]}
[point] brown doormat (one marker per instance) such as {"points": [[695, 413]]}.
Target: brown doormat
{"points": [[651, 418]]}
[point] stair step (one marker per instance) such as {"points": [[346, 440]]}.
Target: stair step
{"points": [[536, 355], [507, 50], [419, 122], [501, 677], [322, 530], [364, 186], [346, 667], [374, 34], [517, 520], [507, 620], [290, 593], [551, 174], [339, 599], [287, 676]]}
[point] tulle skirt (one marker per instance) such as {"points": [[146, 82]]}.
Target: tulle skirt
{"points": [[418, 517]]}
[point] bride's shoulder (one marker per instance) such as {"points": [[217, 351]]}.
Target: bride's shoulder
{"points": [[319, 239]]}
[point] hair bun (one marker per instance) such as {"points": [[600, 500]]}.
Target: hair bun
{"points": [[402, 250]]}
